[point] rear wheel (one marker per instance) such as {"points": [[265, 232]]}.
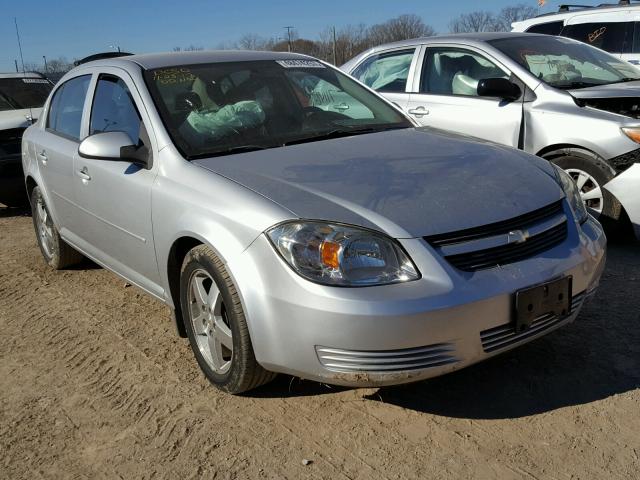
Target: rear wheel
{"points": [[56, 252], [216, 325], [590, 176]]}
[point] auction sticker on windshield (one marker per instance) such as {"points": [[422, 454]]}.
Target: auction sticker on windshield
{"points": [[300, 64]]}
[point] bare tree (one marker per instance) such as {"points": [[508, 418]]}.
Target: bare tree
{"points": [[403, 27], [479, 21], [508, 15], [251, 41]]}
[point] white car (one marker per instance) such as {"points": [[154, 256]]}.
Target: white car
{"points": [[613, 28]]}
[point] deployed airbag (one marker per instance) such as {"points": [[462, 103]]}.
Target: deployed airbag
{"points": [[229, 119]]}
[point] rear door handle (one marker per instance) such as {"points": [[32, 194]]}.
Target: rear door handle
{"points": [[84, 174], [419, 111]]}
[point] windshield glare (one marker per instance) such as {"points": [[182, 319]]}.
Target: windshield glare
{"points": [[218, 108], [20, 93], [564, 63]]}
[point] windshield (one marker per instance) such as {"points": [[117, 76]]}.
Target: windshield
{"points": [[220, 108], [564, 63], [19, 93]]}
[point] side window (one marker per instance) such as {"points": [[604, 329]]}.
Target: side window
{"points": [[608, 36], [456, 72], [65, 111], [636, 38], [549, 28], [113, 109], [386, 72]]}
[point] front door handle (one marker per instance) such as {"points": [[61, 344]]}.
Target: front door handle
{"points": [[84, 174], [419, 111], [43, 156]]}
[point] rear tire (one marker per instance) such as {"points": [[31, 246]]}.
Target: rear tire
{"points": [[591, 175], [56, 252], [216, 326]]}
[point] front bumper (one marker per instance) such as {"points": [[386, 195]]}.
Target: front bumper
{"points": [[626, 188], [394, 334]]}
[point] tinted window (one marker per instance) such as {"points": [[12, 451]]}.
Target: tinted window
{"points": [[18, 93], [449, 71], [218, 108], [550, 28], [610, 37], [113, 109], [636, 38], [386, 72], [65, 112]]}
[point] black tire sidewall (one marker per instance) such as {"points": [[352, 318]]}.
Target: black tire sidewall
{"points": [[195, 261]]}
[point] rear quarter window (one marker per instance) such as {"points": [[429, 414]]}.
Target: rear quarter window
{"points": [[549, 28]]}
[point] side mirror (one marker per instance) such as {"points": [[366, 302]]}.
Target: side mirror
{"points": [[116, 146], [499, 88]]}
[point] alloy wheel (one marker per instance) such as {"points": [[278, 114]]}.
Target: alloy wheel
{"points": [[45, 228], [590, 190], [209, 320]]}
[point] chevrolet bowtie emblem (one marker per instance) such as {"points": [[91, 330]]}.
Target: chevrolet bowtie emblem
{"points": [[517, 236]]}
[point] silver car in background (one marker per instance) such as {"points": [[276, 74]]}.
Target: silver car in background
{"points": [[297, 222], [560, 99]]}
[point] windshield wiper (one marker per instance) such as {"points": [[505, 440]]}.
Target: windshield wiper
{"points": [[568, 86], [240, 149], [627, 79], [339, 133]]}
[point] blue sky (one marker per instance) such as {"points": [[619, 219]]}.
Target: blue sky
{"points": [[76, 28]]}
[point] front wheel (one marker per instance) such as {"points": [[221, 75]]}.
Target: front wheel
{"points": [[216, 325], [590, 176]]}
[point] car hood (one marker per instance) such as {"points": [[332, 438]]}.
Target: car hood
{"points": [[613, 90], [18, 118], [407, 183]]}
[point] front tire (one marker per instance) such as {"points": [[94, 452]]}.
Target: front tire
{"points": [[56, 252], [591, 175], [216, 325]]}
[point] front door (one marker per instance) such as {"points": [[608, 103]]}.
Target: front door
{"points": [[447, 96], [115, 196]]}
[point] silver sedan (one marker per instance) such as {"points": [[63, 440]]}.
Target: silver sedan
{"points": [[297, 222]]}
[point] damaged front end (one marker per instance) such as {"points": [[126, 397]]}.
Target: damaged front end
{"points": [[627, 106]]}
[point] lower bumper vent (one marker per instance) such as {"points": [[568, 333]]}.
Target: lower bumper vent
{"points": [[504, 336], [387, 360]]}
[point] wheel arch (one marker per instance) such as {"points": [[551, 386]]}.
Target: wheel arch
{"points": [[30, 183], [559, 150]]}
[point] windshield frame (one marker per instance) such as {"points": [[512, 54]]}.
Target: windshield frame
{"points": [[278, 142], [597, 58]]}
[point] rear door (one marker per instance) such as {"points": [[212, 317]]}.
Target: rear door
{"points": [[447, 95], [390, 73], [115, 196], [56, 146]]}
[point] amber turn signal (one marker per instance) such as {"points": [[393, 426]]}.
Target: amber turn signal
{"points": [[330, 254], [632, 133]]}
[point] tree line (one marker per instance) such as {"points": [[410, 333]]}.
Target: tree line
{"points": [[337, 45]]}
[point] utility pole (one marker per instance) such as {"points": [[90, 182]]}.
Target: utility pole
{"points": [[46, 69], [16, 62], [289, 37], [335, 62]]}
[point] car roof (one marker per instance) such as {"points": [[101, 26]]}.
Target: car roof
{"points": [[462, 38], [150, 61], [566, 14], [22, 75]]}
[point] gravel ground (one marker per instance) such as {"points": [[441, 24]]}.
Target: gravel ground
{"points": [[95, 384]]}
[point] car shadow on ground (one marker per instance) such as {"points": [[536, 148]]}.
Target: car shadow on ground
{"points": [[591, 359], [7, 212]]}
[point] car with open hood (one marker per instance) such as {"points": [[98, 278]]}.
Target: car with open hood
{"points": [[570, 103], [297, 222]]}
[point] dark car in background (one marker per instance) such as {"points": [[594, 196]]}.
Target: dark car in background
{"points": [[22, 96]]}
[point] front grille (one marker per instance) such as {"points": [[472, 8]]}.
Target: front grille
{"points": [[504, 336], [387, 360], [11, 141], [504, 253]]}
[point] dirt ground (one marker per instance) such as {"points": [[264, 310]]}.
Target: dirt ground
{"points": [[95, 384]]}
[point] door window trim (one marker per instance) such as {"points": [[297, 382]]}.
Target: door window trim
{"points": [[412, 67], [464, 48], [100, 76], [54, 92]]}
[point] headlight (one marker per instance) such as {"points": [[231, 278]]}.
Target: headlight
{"points": [[340, 255], [573, 194], [633, 133]]}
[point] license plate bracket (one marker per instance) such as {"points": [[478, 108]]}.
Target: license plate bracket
{"points": [[548, 298]]}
